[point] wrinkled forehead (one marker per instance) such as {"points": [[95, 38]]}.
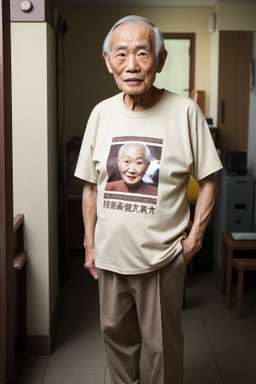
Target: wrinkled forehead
{"points": [[133, 32], [134, 150]]}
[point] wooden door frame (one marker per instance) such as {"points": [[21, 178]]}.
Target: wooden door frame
{"points": [[192, 38], [6, 199]]}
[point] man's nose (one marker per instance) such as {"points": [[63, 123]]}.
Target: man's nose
{"points": [[132, 64]]}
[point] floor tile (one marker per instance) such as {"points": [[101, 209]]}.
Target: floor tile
{"points": [[33, 370], [239, 378], [145, 376], [197, 349], [202, 378], [194, 364], [71, 376], [218, 348], [77, 362], [239, 350], [241, 365]]}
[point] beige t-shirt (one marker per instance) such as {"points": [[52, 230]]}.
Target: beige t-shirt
{"points": [[138, 232]]}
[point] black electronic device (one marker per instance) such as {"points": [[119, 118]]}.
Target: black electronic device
{"points": [[236, 163]]}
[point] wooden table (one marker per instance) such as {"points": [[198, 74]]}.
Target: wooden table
{"points": [[229, 245]]}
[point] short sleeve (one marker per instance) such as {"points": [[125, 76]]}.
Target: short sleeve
{"points": [[205, 156]]}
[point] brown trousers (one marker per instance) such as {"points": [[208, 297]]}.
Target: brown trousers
{"points": [[148, 307]]}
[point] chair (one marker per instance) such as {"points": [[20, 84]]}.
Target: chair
{"points": [[228, 262], [242, 265]]}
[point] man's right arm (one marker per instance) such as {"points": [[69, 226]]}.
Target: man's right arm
{"points": [[89, 210]]}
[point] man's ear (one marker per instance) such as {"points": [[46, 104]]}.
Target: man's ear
{"points": [[161, 60], [118, 161], [107, 61]]}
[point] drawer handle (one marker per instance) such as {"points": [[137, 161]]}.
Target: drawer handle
{"points": [[240, 206]]}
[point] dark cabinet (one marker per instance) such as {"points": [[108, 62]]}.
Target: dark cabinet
{"points": [[235, 55]]}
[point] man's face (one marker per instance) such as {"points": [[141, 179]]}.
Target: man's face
{"points": [[133, 165], [133, 62]]}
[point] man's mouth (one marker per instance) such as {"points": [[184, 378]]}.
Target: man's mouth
{"points": [[133, 81]]}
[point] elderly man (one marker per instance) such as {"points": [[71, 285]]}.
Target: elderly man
{"points": [[138, 248], [133, 161]]}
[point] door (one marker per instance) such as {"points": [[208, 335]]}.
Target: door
{"points": [[6, 203], [235, 55], [178, 72]]}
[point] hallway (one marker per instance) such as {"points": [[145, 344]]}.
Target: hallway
{"points": [[218, 348]]}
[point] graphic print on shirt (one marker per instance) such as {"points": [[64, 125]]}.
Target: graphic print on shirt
{"points": [[133, 171]]}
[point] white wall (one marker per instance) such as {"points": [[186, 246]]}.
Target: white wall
{"points": [[214, 73], [237, 16], [34, 163], [214, 70]]}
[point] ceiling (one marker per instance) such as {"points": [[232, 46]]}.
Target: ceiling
{"points": [[149, 3]]}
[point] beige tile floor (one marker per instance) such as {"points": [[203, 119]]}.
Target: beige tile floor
{"points": [[218, 348]]}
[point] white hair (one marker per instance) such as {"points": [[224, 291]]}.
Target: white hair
{"points": [[146, 149], [159, 40]]}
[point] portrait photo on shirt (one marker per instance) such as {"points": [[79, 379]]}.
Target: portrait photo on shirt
{"points": [[133, 165]]}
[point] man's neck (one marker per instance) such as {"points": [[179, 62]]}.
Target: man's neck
{"points": [[139, 103]]}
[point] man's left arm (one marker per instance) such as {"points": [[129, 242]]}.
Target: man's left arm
{"points": [[203, 209]]}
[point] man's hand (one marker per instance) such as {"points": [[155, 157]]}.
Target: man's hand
{"points": [[190, 247], [89, 209], [90, 263], [204, 205]]}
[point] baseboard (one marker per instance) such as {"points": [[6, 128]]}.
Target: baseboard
{"points": [[39, 345], [44, 344]]}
